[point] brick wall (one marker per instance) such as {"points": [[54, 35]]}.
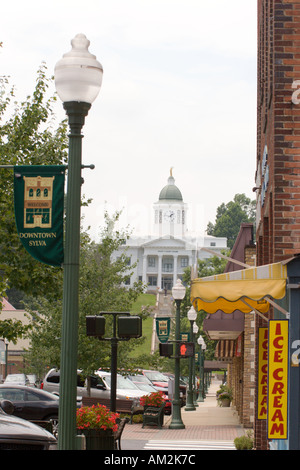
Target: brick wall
{"points": [[278, 129], [278, 137]]}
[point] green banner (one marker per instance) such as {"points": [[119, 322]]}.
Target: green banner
{"points": [[39, 207], [163, 329]]}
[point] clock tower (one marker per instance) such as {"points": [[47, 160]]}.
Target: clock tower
{"points": [[170, 212]]}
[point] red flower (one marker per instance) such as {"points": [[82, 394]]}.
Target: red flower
{"points": [[154, 399], [96, 417]]}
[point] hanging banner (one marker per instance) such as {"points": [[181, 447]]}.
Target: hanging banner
{"points": [[39, 205], [262, 385], [278, 379], [163, 329]]}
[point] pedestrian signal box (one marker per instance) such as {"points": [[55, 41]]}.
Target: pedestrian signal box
{"points": [[165, 349], [186, 349], [95, 325]]}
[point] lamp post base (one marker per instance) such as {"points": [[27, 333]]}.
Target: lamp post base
{"points": [[189, 402], [176, 422]]}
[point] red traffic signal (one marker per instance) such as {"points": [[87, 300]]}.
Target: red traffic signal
{"points": [[186, 349]]}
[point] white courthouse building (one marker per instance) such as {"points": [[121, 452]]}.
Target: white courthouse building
{"points": [[163, 256]]}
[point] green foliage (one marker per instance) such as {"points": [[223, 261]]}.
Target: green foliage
{"points": [[230, 216], [101, 289], [13, 329], [27, 137], [244, 442]]}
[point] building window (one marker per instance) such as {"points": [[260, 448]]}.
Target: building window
{"points": [[184, 262], [151, 261], [160, 217], [212, 243], [168, 265], [152, 281], [182, 219]]}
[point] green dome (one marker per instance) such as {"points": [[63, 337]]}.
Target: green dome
{"points": [[170, 191]]}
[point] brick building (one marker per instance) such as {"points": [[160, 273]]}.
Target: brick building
{"points": [[278, 142]]}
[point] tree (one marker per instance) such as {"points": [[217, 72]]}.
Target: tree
{"points": [[101, 288], [230, 216], [27, 136]]}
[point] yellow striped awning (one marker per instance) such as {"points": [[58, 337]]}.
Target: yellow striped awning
{"points": [[234, 290]]}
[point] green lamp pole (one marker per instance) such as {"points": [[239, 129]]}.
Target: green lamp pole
{"points": [[192, 315], [178, 293], [195, 331], [201, 343], [78, 78]]}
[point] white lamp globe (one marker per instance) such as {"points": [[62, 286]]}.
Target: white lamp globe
{"points": [[192, 314], [78, 75], [178, 291]]}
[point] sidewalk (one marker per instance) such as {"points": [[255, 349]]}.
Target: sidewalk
{"points": [[208, 422]]}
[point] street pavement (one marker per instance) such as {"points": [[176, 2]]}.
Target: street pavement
{"points": [[208, 427]]}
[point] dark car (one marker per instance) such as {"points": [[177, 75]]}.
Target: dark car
{"points": [[19, 434], [30, 403]]}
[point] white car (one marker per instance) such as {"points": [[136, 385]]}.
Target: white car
{"points": [[125, 388]]}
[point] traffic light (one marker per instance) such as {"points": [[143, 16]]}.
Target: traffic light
{"points": [[95, 325], [129, 326], [186, 349], [165, 349]]}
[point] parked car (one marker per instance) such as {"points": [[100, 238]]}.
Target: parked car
{"points": [[99, 383], [17, 379], [144, 384], [19, 434], [161, 382], [30, 403], [98, 387], [33, 380], [125, 388]]}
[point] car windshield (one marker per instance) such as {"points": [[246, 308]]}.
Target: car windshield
{"points": [[122, 383], [154, 375], [146, 387], [140, 378]]}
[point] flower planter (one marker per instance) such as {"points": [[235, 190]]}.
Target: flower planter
{"points": [[98, 425], [98, 439], [153, 416], [225, 402]]}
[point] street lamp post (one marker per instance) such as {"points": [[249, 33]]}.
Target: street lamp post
{"points": [[195, 331], [78, 78], [192, 315], [178, 293], [201, 343]]}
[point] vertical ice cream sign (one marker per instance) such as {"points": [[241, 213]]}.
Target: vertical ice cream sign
{"points": [[278, 379], [38, 194], [262, 386]]}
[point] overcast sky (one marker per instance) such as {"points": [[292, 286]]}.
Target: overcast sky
{"points": [[179, 90]]}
